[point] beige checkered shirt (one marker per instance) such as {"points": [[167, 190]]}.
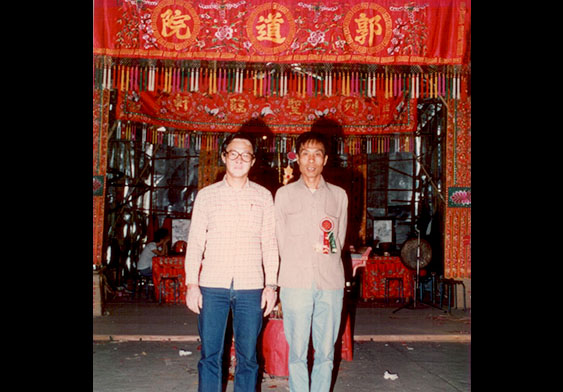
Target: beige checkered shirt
{"points": [[232, 237]]}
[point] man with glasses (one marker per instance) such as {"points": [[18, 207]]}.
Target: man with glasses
{"points": [[231, 265]]}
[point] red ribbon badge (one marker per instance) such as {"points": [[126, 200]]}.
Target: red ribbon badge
{"points": [[327, 225]]}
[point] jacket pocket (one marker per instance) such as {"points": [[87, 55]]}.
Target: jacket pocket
{"points": [[295, 219]]}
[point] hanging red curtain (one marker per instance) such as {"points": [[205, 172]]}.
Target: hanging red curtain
{"points": [[390, 32], [291, 113]]}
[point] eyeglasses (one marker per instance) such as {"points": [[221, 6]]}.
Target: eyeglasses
{"points": [[233, 155]]}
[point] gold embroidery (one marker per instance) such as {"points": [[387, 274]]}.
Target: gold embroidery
{"points": [[175, 24], [367, 27], [270, 29]]}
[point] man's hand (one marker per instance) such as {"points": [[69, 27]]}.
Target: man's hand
{"points": [[194, 300], [269, 298]]}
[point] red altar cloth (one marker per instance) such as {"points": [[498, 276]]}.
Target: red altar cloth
{"points": [[169, 266], [379, 268]]}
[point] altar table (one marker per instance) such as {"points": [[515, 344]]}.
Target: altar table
{"points": [[380, 267], [165, 266]]}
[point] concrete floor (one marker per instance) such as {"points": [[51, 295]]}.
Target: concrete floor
{"points": [[158, 366], [136, 347]]}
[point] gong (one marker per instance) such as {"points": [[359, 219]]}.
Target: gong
{"points": [[408, 253]]}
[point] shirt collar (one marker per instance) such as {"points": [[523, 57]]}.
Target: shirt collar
{"points": [[322, 183], [224, 183]]}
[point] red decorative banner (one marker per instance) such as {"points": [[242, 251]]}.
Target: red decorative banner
{"points": [[388, 32], [290, 113]]}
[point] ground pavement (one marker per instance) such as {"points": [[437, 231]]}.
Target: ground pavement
{"points": [[144, 346]]}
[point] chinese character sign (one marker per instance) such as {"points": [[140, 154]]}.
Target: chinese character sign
{"points": [[389, 32], [271, 28], [175, 24], [367, 28]]}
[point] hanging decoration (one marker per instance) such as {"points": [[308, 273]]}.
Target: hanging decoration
{"points": [[221, 96], [267, 80], [457, 235], [282, 144], [101, 109], [390, 32], [288, 114]]}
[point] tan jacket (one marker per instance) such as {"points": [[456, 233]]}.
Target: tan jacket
{"points": [[299, 214]]}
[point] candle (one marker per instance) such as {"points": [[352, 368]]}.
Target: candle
{"points": [[209, 78], [354, 83], [254, 82], [454, 87], [177, 84], [104, 76], [159, 78], [241, 81], [111, 77], [268, 83], [119, 77], [129, 79], [191, 79], [220, 80]]}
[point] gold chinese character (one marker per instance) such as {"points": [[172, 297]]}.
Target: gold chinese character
{"points": [[351, 104], [180, 102], [294, 106], [367, 27], [237, 105], [270, 29], [173, 24]]}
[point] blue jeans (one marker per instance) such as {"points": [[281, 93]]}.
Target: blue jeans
{"points": [[212, 324], [146, 272], [321, 309]]}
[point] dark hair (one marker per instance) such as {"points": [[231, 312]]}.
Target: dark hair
{"points": [[311, 136], [249, 130], [237, 135], [160, 234]]}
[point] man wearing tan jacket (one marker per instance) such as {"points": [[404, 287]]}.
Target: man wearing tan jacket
{"points": [[311, 218]]}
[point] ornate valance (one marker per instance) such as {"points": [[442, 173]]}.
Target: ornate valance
{"points": [[279, 143], [386, 32], [219, 97], [225, 112]]}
